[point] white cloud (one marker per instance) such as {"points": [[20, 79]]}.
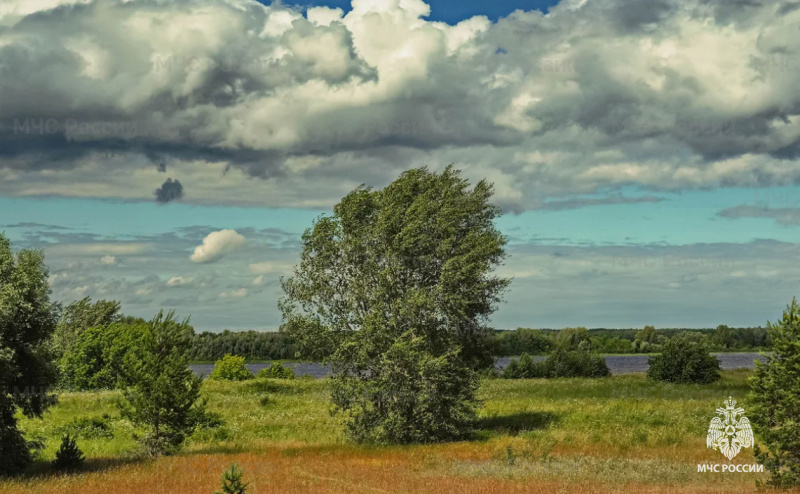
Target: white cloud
{"points": [[217, 244], [258, 280], [269, 267], [241, 292], [109, 261], [179, 281]]}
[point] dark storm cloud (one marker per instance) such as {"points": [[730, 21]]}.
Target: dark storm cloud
{"points": [[171, 190]]}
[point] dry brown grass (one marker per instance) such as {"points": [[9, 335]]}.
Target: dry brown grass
{"points": [[344, 470]]}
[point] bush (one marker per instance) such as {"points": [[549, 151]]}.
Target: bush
{"points": [[683, 360], [560, 363], [68, 457], [88, 428], [164, 393], [232, 481], [776, 402], [231, 368], [276, 371]]}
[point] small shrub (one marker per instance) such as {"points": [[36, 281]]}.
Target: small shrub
{"points": [[265, 400], [200, 418], [276, 371], [68, 456], [232, 481], [560, 363], [684, 361], [575, 364], [88, 428], [231, 368]]}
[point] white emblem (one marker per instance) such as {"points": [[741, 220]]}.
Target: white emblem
{"points": [[728, 434]]}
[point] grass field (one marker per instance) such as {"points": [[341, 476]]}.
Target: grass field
{"points": [[618, 434]]}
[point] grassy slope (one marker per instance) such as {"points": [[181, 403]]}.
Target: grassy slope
{"points": [[567, 435]]}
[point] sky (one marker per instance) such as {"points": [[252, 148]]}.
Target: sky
{"points": [[169, 154]]}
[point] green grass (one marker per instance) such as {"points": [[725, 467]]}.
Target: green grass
{"points": [[618, 429]]}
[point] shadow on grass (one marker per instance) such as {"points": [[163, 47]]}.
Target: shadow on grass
{"points": [[43, 469], [516, 423]]}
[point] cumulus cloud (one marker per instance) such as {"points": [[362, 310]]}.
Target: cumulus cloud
{"points": [[258, 280], [109, 261], [179, 281], [217, 244], [674, 95], [171, 190]]}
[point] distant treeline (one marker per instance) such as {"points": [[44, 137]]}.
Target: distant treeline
{"points": [[647, 340], [258, 345], [252, 345]]}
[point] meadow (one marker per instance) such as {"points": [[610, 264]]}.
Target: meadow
{"points": [[617, 434]]}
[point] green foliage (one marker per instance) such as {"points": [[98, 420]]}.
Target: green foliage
{"points": [[276, 370], [521, 340], [80, 316], [262, 345], [571, 339], [776, 402], [684, 360], [231, 368], [560, 363], [232, 481], [96, 359], [27, 368], [88, 428], [413, 397], [68, 457], [403, 273], [163, 393]]}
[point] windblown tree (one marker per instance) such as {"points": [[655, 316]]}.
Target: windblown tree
{"points": [[80, 316], [395, 290], [27, 370]]}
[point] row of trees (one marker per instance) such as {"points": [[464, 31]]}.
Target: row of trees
{"points": [[647, 340]]}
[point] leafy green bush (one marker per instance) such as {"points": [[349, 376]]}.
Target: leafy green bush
{"points": [[95, 359], [88, 428], [68, 457], [232, 481], [276, 371], [776, 402], [560, 363], [684, 360], [231, 368]]}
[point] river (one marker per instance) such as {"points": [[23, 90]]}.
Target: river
{"points": [[619, 364]]}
